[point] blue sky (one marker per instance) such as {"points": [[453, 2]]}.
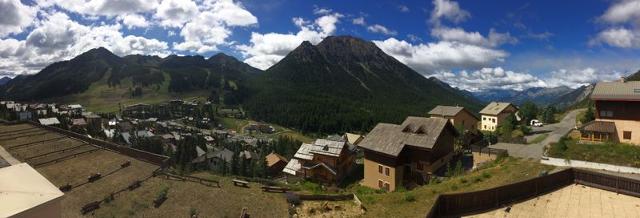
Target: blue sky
{"points": [[473, 45]]}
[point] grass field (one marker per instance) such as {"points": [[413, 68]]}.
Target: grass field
{"points": [[239, 124], [183, 197], [608, 152], [538, 139], [417, 202], [74, 171], [102, 98]]}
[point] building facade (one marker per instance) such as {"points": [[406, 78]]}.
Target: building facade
{"points": [[617, 113], [494, 114], [460, 117], [406, 154]]}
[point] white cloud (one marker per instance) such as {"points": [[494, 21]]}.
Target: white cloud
{"points": [[618, 37], [377, 28], [102, 7], [57, 38], [266, 49], [359, 21], [133, 20], [494, 39], [449, 10], [211, 27], [623, 30], [232, 14], [623, 11], [444, 55], [575, 78], [174, 13], [15, 17], [321, 11], [490, 78]]}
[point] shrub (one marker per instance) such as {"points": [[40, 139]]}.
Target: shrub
{"points": [[193, 212], [477, 179], [454, 187], [486, 175], [409, 197], [463, 180]]}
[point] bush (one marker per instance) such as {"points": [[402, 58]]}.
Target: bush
{"points": [[409, 197], [486, 175], [463, 180], [454, 187]]}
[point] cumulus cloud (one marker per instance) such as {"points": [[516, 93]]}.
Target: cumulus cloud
{"points": [[57, 38], [15, 17], [377, 28], [490, 78], [443, 55], [134, 20], [403, 8], [449, 10], [102, 7], [622, 12], [211, 27], [174, 13], [623, 25], [575, 78], [475, 38], [359, 21], [266, 49]]}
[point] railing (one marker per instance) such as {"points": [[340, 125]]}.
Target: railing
{"points": [[459, 204]]}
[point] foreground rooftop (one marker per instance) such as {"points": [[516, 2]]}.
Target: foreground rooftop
{"points": [[573, 201]]}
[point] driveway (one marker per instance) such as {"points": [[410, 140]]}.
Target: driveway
{"points": [[555, 131]]}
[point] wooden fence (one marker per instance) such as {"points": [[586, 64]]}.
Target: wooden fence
{"points": [[459, 204]]}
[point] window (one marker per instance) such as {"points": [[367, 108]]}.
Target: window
{"points": [[626, 135], [386, 186], [386, 171], [380, 184], [485, 126], [380, 169], [419, 166], [484, 118], [606, 113], [494, 120]]}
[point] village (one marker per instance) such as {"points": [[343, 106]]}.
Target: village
{"points": [[451, 148]]}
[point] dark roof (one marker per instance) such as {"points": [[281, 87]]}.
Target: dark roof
{"points": [[599, 126], [414, 131], [445, 110], [629, 91], [449, 111], [495, 108]]}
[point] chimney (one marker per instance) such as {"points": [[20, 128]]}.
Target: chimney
{"points": [[623, 79]]}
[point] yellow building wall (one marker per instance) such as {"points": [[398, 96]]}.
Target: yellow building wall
{"points": [[487, 123], [372, 176], [627, 125]]}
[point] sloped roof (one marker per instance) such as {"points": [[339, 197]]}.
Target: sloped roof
{"points": [[304, 152], [292, 167], [79, 122], [274, 158], [445, 110], [414, 131], [495, 108], [353, 138], [629, 91], [327, 147], [22, 188], [599, 126], [449, 111]]}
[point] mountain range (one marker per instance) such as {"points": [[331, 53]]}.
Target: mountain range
{"points": [[341, 84], [561, 96]]}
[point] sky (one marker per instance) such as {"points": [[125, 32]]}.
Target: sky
{"points": [[473, 45]]}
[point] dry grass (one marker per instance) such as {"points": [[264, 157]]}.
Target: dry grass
{"points": [[75, 170], [227, 201]]}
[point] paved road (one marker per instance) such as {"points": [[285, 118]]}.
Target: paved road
{"points": [[555, 131]]}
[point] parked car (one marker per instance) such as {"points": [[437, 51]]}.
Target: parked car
{"points": [[536, 123]]}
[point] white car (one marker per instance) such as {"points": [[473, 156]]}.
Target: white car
{"points": [[536, 123]]}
